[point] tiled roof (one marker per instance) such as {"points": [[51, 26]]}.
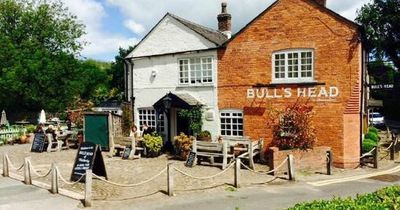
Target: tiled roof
{"points": [[212, 35]]}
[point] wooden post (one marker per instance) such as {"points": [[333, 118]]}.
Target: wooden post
{"points": [[237, 173], [251, 160], [225, 154], [392, 150], [291, 171], [27, 172], [170, 179], [329, 160], [54, 179], [194, 149], [376, 157], [5, 166], [88, 188]]}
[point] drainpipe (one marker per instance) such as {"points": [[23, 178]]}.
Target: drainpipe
{"points": [[129, 70], [363, 93]]}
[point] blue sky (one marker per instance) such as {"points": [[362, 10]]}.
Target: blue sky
{"points": [[111, 24]]}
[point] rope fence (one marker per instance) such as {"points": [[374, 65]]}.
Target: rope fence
{"points": [[265, 172], [206, 177]]}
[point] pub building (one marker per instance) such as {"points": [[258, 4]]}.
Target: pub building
{"points": [[294, 50]]}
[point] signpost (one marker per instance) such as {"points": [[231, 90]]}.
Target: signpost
{"points": [[38, 143], [88, 157], [126, 153]]}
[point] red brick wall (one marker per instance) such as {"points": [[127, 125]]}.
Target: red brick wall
{"points": [[246, 61]]}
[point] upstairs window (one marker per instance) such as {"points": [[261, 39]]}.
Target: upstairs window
{"points": [[196, 70], [293, 66]]}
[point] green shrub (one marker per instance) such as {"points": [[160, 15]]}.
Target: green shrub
{"points": [[373, 130], [153, 142], [368, 145], [387, 198], [30, 128], [372, 136]]}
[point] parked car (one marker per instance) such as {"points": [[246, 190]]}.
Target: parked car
{"points": [[376, 119]]}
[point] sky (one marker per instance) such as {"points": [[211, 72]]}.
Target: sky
{"points": [[111, 24]]}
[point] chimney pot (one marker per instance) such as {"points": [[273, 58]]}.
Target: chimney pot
{"points": [[225, 21]]}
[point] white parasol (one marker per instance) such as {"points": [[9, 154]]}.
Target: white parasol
{"points": [[3, 120], [42, 117]]}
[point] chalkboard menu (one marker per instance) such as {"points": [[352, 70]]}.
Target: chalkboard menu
{"points": [[191, 159], [38, 143], [126, 153], [88, 157]]}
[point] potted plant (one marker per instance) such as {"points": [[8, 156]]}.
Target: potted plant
{"points": [[183, 145], [204, 136], [30, 129], [153, 143]]}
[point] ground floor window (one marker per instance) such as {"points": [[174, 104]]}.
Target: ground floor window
{"points": [[231, 123], [149, 116]]}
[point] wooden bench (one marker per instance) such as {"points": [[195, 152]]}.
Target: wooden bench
{"points": [[120, 143], [54, 144], [248, 149], [212, 150]]}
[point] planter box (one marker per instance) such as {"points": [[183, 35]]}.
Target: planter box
{"points": [[313, 160]]}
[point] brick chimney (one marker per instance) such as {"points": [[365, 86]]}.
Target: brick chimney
{"points": [[321, 2], [225, 21]]}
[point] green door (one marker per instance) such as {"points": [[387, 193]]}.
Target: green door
{"points": [[96, 130]]}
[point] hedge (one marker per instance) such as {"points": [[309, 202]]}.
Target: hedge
{"points": [[373, 130], [372, 136], [368, 145], [387, 198]]}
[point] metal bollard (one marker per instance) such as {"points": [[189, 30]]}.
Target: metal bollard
{"points": [[170, 179], [88, 188], [6, 172], [329, 162], [237, 173], [291, 171], [27, 172], [54, 179]]}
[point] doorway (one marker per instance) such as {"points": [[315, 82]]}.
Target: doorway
{"points": [[182, 124]]}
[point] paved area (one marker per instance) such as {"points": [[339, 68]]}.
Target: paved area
{"points": [[14, 195], [260, 197]]}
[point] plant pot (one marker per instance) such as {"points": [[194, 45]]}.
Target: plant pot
{"points": [[184, 155], [204, 138], [23, 139], [152, 154]]}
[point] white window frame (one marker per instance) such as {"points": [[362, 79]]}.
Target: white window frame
{"points": [[299, 78], [231, 117], [150, 112], [202, 77]]}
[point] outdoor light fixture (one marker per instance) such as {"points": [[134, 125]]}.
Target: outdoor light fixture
{"points": [[167, 101]]}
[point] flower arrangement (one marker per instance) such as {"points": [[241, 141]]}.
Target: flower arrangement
{"points": [[153, 143], [183, 145], [294, 129]]}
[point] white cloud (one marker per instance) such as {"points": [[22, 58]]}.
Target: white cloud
{"points": [[91, 13], [134, 27]]}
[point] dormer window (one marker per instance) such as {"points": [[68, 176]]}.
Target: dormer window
{"points": [[293, 66], [196, 70]]}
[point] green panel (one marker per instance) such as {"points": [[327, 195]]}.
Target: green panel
{"points": [[96, 130]]}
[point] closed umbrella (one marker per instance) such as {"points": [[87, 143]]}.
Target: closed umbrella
{"points": [[3, 120], [42, 117]]}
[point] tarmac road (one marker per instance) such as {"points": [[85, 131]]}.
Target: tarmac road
{"points": [[14, 195]]}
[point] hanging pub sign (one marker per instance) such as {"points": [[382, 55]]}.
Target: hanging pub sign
{"points": [[312, 92], [88, 157], [382, 86]]}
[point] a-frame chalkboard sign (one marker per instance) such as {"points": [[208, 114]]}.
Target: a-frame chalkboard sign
{"points": [[39, 140], [88, 157]]}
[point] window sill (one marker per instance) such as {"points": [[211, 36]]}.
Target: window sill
{"points": [[289, 83], [195, 85]]}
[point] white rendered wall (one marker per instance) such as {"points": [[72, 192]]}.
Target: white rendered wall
{"points": [[170, 36], [148, 89]]}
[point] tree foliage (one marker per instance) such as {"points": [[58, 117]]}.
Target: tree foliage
{"points": [[38, 45], [117, 69], [381, 23]]}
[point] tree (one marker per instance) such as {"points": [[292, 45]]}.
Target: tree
{"points": [[39, 42], [117, 69], [381, 23]]}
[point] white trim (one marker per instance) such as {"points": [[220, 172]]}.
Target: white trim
{"points": [[299, 78], [230, 123], [202, 83]]}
